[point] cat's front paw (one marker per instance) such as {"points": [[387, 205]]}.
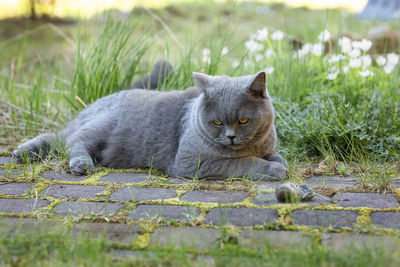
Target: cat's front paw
{"points": [[277, 158], [81, 165], [276, 170]]}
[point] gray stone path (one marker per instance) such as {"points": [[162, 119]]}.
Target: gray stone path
{"points": [[327, 218], [183, 212]]}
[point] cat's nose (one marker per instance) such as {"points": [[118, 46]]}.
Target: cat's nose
{"points": [[231, 137]]}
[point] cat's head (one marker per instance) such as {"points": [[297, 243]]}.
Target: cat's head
{"points": [[234, 111]]}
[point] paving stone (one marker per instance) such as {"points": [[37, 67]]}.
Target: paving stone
{"points": [[326, 218], [52, 175], [138, 194], [120, 233], [14, 189], [366, 200], [215, 196], [347, 242], [396, 182], [181, 213], [126, 177], [10, 205], [267, 185], [241, 216], [4, 160], [262, 239], [332, 181], [72, 191], [188, 237], [386, 219], [268, 199], [10, 173], [83, 208]]}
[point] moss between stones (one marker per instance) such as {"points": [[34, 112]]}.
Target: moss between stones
{"points": [[284, 222], [181, 192], [142, 241], [96, 177], [364, 216]]}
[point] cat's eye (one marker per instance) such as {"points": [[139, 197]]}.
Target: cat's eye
{"points": [[244, 121], [217, 122]]}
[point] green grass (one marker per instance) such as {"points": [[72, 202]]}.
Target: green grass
{"points": [[58, 245]]}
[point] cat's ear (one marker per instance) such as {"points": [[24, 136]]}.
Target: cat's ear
{"points": [[201, 81], [257, 86]]}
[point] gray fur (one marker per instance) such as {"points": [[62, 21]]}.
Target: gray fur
{"points": [[173, 131]]}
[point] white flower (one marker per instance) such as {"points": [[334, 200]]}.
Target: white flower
{"points": [[268, 53], [307, 47], [366, 61], [336, 58], [269, 70], [392, 59], [332, 76], [305, 50], [356, 44], [355, 53], [333, 69], [224, 51], [345, 44], [253, 46], [355, 63], [365, 73], [388, 68], [206, 52], [206, 55], [365, 45], [324, 36], [277, 35], [380, 60], [261, 34], [258, 57], [345, 69], [235, 63], [317, 49]]}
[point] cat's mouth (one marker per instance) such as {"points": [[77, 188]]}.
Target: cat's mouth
{"points": [[235, 145], [231, 143]]}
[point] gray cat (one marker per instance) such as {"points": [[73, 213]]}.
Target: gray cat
{"points": [[223, 127]]}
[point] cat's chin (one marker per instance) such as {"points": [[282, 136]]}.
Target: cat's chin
{"points": [[235, 146]]}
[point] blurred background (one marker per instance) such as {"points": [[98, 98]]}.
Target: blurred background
{"points": [[77, 8]]}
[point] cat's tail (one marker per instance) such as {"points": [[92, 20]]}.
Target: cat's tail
{"points": [[37, 148], [160, 73]]}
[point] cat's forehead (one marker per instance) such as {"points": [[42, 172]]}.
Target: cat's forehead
{"points": [[242, 81], [230, 97], [228, 86]]}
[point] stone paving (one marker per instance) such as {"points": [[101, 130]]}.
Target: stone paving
{"points": [[137, 209]]}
